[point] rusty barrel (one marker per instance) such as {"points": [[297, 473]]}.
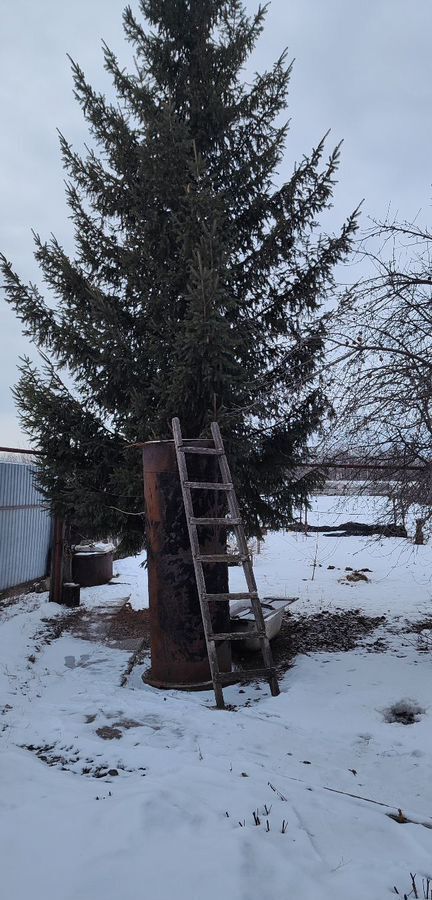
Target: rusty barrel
{"points": [[178, 649], [92, 565]]}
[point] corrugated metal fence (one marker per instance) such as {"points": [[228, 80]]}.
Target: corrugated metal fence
{"points": [[25, 526]]}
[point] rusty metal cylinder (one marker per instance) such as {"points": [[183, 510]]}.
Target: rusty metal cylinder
{"points": [[178, 650], [92, 567]]}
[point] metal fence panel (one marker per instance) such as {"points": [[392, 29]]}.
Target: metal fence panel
{"points": [[25, 526]]}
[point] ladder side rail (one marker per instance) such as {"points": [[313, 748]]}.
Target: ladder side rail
{"points": [[238, 529], [266, 650], [199, 572], [247, 564]]}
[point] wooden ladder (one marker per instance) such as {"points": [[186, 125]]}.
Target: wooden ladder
{"points": [[234, 522]]}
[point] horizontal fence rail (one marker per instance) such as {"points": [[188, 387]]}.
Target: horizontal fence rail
{"points": [[25, 526]]}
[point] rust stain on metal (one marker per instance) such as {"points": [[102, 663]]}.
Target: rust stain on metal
{"points": [[89, 569], [178, 648]]}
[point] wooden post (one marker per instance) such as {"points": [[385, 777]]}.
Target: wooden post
{"points": [[56, 575], [71, 594], [419, 534]]}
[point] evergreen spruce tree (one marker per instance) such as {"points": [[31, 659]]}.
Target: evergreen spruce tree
{"points": [[197, 284]]}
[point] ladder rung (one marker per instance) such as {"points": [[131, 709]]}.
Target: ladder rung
{"points": [[237, 635], [213, 521], [202, 451], [209, 485], [244, 675], [234, 559], [244, 596]]}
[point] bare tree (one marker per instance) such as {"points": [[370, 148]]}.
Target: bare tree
{"points": [[384, 392]]}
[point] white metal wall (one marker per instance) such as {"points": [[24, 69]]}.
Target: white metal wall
{"points": [[25, 526]]}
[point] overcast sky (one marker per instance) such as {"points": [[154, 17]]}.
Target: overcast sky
{"points": [[362, 68]]}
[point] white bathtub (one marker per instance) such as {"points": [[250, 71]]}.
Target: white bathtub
{"points": [[242, 618]]}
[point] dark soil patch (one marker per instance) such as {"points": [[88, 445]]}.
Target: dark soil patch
{"points": [[422, 625], [127, 723], [12, 595], [404, 712], [356, 576], [7, 600], [329, 632], [13, 605], [48, 754], [109, 733], [121, 627], [321, 633], [378, 646], [423, 630], [69, 759]]}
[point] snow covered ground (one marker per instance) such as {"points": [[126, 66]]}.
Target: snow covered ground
{"points": [[112, 793]]}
